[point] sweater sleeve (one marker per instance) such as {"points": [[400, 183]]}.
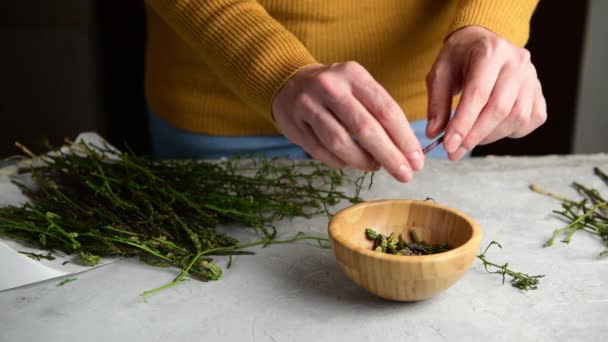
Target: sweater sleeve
{"points": [[252, 53], [509, 19]]}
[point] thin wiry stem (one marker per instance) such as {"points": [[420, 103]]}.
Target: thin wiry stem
{"points": [[97, 201], [589, 214]]}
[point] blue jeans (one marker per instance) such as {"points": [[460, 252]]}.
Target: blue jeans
{"points": [[171, 142]]}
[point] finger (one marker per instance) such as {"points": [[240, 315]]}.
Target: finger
{"points": [[539, 109], [391, 139], [459, 154], [302, 135], [375, 140], [518, 117], [538, 115], [478, 84], [334, 137], [499, 105], [440, 83], [313, 146]]}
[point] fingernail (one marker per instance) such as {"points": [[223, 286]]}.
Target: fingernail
{"points": [[404, 174], [416, 160], [453, 142], [461, 152], [458, 154]]}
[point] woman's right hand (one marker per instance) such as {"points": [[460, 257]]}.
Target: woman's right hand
{"points": [[341, 116]]}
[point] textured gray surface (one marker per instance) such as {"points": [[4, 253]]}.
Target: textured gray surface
{"points": [[298, 293]]}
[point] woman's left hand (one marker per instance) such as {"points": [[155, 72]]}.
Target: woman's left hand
{"points": [[501, 93]]}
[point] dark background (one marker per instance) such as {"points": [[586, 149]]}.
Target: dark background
{"points": [[69, 66]]}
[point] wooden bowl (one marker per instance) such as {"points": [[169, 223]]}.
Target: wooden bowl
{"points": [[398, 277]]}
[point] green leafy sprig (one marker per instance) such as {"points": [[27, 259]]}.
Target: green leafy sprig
{"points": [[519, 280]]}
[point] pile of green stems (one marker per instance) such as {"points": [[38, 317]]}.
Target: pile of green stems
{"points": [[95, 201]]}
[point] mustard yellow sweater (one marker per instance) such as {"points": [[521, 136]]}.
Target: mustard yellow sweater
{"points": [[214, 66]]}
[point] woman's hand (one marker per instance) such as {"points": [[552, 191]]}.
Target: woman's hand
{"points": [[501, 93], [341, 116]]}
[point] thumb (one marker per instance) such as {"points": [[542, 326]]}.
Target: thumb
{"points": [[440, 84]]}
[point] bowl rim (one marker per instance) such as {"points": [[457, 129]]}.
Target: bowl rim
{"points": [[475, 237]]}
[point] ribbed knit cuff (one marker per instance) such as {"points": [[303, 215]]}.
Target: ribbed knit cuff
{"points": [[510, 19], [252, 53]]}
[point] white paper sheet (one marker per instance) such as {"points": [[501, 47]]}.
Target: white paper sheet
{"points": [[17, 269]]}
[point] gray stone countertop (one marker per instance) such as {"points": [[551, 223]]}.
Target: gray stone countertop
{"points": [[297, 292]]}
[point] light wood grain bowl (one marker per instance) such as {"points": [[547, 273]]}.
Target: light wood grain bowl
{"points": [[397, 277]]}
